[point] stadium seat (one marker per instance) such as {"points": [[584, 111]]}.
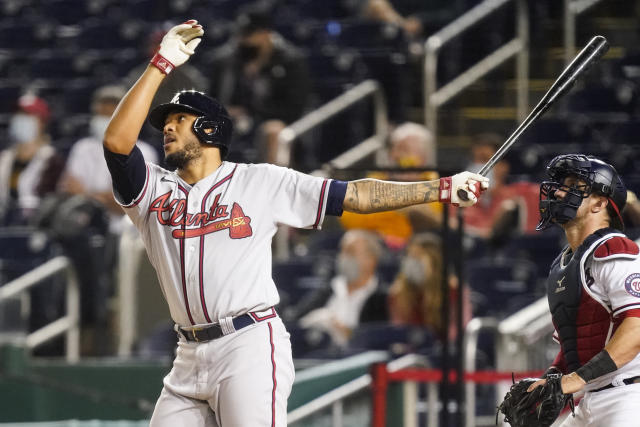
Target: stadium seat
{"points": [[398, 339], [599, 99], [501, 286], [66, 12]]}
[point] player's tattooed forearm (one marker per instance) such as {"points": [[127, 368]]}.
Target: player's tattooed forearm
{"points": [[370, 195], [432, 191]]}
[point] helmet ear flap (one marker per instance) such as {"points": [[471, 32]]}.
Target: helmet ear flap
{"points": [[211, 132]]}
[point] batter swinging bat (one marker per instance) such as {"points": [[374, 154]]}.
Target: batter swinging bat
{"points": [[591, 53]]}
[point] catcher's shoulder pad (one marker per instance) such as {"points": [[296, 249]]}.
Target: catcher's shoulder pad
{"points": [[616, 247]]}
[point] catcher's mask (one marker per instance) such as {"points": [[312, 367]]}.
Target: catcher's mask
{"points": [[598, 177], [212, 126]]}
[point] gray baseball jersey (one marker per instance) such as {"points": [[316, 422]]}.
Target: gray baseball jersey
{"points": [[210, 243]]}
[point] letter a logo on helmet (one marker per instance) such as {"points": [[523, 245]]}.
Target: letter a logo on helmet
{"points": [[212, 126]]}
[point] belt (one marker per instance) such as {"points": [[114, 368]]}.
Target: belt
{"points": [[215, 331], [626, 381]]}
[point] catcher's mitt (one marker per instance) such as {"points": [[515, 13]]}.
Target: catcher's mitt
{"points": [[540, 408]]}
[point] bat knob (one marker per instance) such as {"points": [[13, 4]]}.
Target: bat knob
{"points": [[462, 195]]}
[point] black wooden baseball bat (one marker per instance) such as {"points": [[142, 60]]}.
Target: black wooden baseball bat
{"points": [[589, 55]]}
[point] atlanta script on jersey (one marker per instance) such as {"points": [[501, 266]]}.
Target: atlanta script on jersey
{"points": [[210, 243]]}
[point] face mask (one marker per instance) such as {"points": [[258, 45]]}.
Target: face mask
{"points": [[413, 271], [248, 52], [348, 267], [409, 162], [98, 125], [23, 128]]}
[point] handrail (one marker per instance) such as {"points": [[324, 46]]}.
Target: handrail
{"points": [[434, 98], [68, 324], [340, 103], [471, 336], [573, 8], [317, 117], [336, 395]]}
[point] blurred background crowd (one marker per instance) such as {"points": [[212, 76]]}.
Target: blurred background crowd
{"points": [[364, 282]]}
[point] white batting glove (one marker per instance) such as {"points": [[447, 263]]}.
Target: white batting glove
{"points": [[178, 45], [472, 184]]}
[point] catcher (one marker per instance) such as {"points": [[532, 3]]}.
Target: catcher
{"points": [[594, 297]]}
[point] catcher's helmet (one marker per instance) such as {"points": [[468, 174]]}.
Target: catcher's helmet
{"points": [[599, 177], [213, 124]]}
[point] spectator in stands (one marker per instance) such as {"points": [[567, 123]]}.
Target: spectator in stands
{"points": [[383, 10], [30, 166], [508, 207], [85, 172], [264, 82], [355, 295], [415, 297], [92, 244], [412, 146]]}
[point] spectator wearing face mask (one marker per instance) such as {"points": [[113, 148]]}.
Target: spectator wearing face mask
{"points": [[263, 80], [509, 206], [86, 172], [30, 166], [415, 297], [411, 146], [355, 295]]}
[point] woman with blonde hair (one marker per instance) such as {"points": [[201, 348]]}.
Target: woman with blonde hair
{"points": [[415, 297]]}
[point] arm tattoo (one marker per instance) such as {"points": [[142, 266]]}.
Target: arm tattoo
{"points": [[371, 195]]}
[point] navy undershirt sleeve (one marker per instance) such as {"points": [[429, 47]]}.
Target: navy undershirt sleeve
{"points": [[128, 173], [335, 200]]}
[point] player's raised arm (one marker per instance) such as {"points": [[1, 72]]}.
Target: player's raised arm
{"points": [[372, 195], [175, 49]]}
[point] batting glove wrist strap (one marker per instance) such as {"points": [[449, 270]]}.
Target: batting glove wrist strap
{"points": [[162, 63], [445, 190]]}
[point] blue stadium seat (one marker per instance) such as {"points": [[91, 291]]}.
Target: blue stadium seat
{"points": [[334, 70], [9, 94], [66, 12], [107, 34], [398, 339], [599, 99], [539, 248], [501, 287]]}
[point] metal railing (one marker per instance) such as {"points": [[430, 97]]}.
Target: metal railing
{"points": [[368, 88], [517, 343], [434, 98], [371, 145], [336, 397], [68, 324], [573, 8]]}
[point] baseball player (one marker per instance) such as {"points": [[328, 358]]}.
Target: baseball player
{"points": [[207, 227], [593, 291]]}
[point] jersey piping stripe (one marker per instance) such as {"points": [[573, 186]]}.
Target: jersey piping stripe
{"points": [[182, 267], [144, 191], [200, 266], [273, 376], [320, 204], [625, 307]]}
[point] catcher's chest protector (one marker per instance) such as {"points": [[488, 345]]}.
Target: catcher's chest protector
{"points": [[581, 322]]}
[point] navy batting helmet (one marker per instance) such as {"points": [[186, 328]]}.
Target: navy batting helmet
{"points": [[599, 177], [213, 124]]}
